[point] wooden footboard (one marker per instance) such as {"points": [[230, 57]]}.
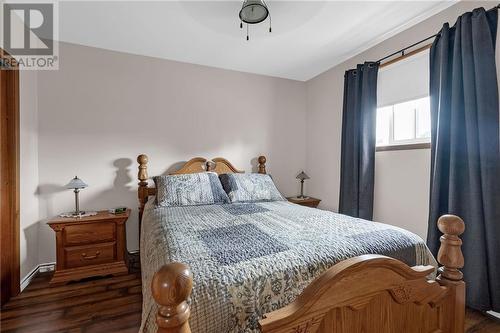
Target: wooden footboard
{"points": [[369, 293], [374, 293]]}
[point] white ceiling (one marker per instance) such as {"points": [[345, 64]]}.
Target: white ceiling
{"points": [[308, 37]]}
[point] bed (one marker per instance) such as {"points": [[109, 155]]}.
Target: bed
{"points": [[280, 267]]}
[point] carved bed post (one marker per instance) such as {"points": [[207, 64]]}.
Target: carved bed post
{"points": [[262, 164], [451, 258], [142, 191], [171, 287]]}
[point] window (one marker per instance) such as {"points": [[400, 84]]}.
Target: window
{"points": [[403, 114], [404, 123]]}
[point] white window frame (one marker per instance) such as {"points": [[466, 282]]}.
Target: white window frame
{"points": [[415, 143]]}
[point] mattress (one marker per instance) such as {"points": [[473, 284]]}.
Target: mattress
{"points": [[249, 259]]}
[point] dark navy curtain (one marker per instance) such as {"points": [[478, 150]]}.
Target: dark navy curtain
{"points": [[465, 162], [358, 141]]}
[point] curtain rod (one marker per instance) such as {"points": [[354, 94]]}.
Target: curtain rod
{"points": [[402, 51], [406, 55]]}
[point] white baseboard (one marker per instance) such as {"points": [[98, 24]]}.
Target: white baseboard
{"points": [[48, 267], [41, 268], [494, 314]]}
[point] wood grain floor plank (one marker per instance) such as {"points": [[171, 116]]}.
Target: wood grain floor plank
{"points": [[30, 321], [101, 307], [74, 330], [132, 329], [83, 320], [63, 322], [473, 318], [60, 304], [135, 290], [83, 285], [116, 324], [54, 297], [476, 322], [125, 284]]}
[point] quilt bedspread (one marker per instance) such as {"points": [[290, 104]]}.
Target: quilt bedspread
{"points": [[248, 259]]}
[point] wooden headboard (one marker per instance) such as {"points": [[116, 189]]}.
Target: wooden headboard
{"points": [[198, 164]]}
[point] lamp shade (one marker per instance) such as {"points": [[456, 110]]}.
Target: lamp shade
{"points": [[253, 11], [302, 176], [76, 183]]}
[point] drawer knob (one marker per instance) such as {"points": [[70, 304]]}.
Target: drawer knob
{"points": [[86, 257]]}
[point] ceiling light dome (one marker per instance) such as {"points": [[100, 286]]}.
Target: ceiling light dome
{"points": [[253, 12]]}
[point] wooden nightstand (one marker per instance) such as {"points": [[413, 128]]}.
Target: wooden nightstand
{"points": [[309, 201], [90, 246]]}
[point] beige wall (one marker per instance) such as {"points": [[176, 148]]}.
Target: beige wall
{"points": [[29, 216], [103, 108], [407, 191], [402, 189]]}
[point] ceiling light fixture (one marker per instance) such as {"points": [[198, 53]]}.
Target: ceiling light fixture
{"points": [[253, 12]]}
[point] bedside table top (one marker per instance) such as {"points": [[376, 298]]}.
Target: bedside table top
{"points": [[305, 200], [101, 215]]}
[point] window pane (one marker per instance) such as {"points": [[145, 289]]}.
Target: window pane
{"points": [[423, 118], [383, 125], [404, 121]]}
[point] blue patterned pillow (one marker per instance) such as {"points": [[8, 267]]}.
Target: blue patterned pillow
{"points": [[250, 187], [189, 190]]}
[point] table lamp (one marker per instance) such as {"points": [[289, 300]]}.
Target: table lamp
{"points": [[76, 184], [302, 176]]}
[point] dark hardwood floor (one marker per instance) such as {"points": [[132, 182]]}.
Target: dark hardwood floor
{"points": [[477, 322], [108, 305], [105, 305]]}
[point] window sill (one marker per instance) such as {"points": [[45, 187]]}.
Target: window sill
{"points": [[426, 145]]}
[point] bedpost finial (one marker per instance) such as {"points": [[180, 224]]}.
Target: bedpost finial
{"points": [[171, 287], [142, 190], [451, 224], [262, 164], [142, 159], [450, 253], [143, 168]]}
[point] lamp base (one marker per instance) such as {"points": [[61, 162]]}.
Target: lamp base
{"points": [[301, 197]]}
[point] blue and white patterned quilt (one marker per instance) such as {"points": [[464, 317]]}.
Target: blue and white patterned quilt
{"points": [[252, 258]]}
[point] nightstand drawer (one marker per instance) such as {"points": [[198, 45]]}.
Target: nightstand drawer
{"points": [[89, 233], [309, 204], [78, 256]]}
